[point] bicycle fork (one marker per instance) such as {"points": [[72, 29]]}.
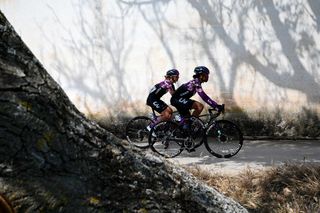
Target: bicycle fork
{"points": [[220, 135]]}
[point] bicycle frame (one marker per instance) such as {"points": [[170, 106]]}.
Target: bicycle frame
{"points": [[212, 117], [186, 139]]}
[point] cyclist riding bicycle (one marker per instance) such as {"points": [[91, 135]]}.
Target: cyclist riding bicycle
{"points": [[181, 98], [160, 89]]}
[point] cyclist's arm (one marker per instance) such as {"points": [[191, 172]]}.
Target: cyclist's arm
{"points": [[206, 98], [171, 90], [169, 87]]}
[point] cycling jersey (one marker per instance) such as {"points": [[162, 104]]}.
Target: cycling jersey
{"points": [[157, 92], [181, 97], [161, 88]]}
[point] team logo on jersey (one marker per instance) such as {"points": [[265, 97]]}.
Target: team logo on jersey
{"points": [[183, 101], [184, 93], [153, 89], [156, 104]]}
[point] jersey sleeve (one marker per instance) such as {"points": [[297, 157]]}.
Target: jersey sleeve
{"points": [[205, 97], [168, 86], [171, 89]]}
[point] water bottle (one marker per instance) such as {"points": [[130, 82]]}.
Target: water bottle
{"points": [[177, 118]]}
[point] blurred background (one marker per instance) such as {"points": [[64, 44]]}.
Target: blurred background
{"points": [[264, 56]]}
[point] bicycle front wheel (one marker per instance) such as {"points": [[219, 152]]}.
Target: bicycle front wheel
{"points": [[223, 139], [137, 133], [166, 139]]}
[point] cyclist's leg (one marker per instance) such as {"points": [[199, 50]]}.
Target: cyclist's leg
{"points": [[166, 114], [198, 107], [183, 106], [160, 107]]}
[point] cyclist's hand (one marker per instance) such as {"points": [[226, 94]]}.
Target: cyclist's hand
{"points": [[220, 108]]}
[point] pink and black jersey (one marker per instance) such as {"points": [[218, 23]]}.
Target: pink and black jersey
{"points": [[157, 92], [161, 89], [189, 89]]}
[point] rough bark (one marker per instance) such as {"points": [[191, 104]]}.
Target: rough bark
{"points": [[53, 159]]}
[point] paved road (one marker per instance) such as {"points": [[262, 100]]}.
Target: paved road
{"points": [[256, 155]]}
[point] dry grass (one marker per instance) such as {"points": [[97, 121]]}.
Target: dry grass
{"points": [[287, 188]]}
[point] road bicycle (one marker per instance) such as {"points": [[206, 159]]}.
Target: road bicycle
{"points": [[222, 138], [137, 132]]}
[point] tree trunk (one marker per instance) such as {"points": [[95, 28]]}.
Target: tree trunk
{"points": [[53, 159]]}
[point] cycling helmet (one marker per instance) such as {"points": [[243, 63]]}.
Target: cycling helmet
{"points": [[172, 72], [201, 69]]}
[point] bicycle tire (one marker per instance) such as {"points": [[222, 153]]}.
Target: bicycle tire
{"points": [[223, 139], [163, 139], [137, 133]]}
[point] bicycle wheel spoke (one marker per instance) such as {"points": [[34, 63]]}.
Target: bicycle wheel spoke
{"points": [[223, 139], [163, 139], [136, 132]]}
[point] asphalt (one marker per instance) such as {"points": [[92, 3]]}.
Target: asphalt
{"points": [[255, 155]]}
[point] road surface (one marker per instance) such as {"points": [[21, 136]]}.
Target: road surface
{"points": [[256, 155]]}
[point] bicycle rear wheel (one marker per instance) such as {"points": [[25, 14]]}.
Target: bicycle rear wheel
{"points": [[223, 139], [166, 139], [137, 133]]}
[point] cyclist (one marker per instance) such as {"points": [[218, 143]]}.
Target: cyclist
{"points": [[181, 98], [160, 89]]}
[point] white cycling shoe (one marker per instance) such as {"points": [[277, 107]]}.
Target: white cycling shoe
{"points": [[149, 129]]}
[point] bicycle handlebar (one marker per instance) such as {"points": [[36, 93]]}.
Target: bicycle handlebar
{"points": [[218, 112]]}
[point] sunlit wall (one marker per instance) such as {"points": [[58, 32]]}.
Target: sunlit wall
{"points": [[108, 54]]}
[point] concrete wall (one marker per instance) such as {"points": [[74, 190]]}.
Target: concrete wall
{"points": [[262, 54]]}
